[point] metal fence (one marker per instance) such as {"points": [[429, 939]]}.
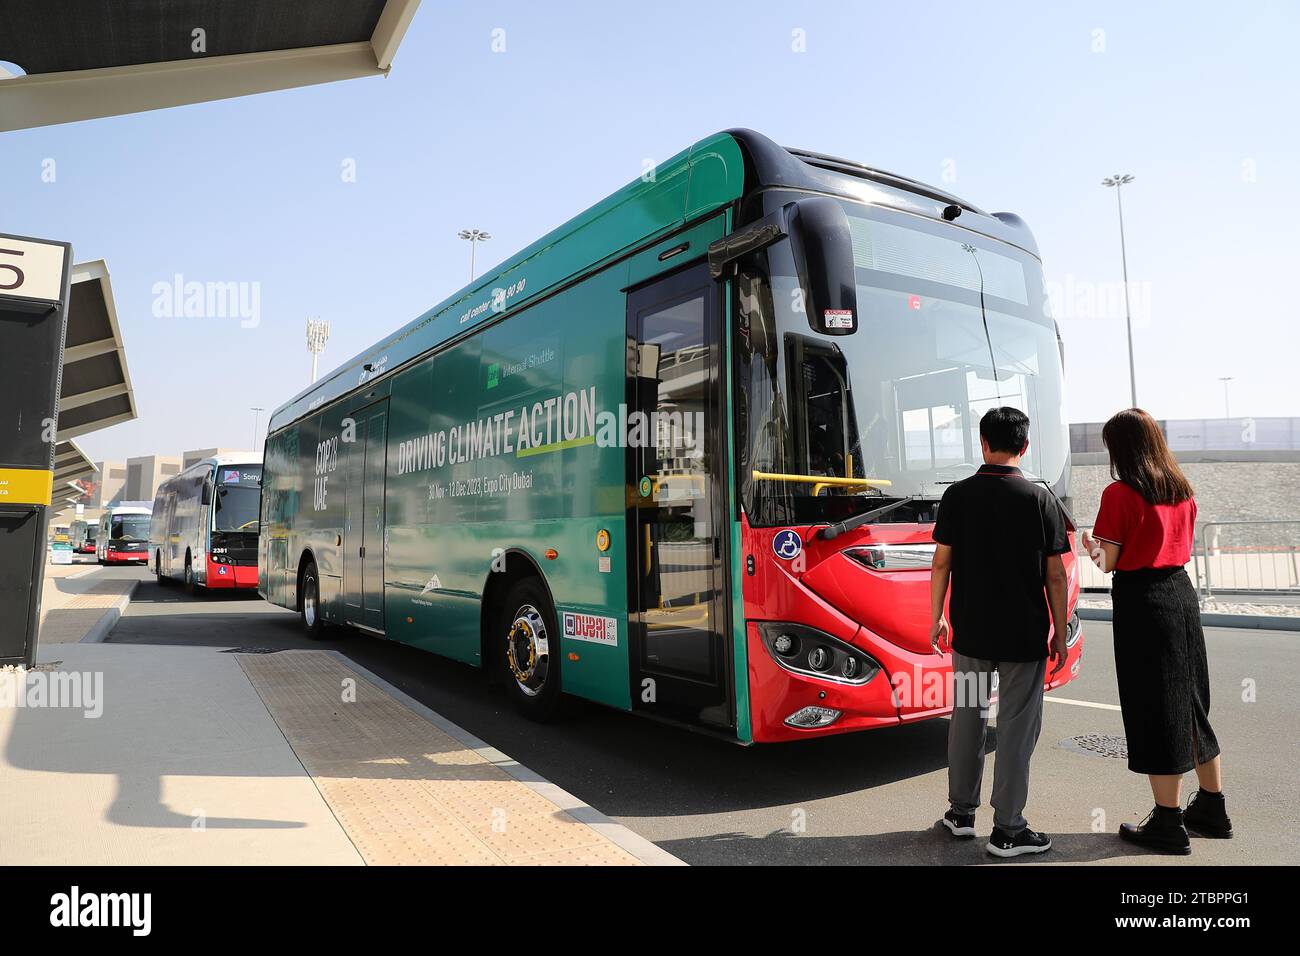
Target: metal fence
{"points": [[1242, 557], [1252, 556], [1205, 434]]}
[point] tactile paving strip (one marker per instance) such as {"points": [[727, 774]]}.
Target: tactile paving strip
{"points": [[403, 790]]}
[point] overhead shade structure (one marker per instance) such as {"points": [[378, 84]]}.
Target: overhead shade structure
{"points": [[74, 476], [71, 464], [96, 389], [85, 59]]}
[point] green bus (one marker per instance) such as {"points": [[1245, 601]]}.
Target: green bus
{"points": [[682, 455]]}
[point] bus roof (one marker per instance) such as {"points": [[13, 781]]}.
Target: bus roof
{"points": [[702, 179]]}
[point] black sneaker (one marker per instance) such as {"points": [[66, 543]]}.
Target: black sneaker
{"points": [[959, 824], [1162, 830], [1207, 815], [1002, 843]]}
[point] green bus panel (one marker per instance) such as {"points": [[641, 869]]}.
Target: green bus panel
{"points": [[507, 440], [540, 480]]}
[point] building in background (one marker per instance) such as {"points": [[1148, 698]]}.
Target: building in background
{"points": [[198, 454], [145, 473], [111, 485], [1205, 439]]}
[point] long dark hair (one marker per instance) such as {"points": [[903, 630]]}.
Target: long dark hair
{"points": [[1140, 457]]}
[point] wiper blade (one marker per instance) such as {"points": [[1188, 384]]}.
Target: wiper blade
{"points": [[830, 532]]}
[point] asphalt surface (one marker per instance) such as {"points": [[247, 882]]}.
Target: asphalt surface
{"points": [[868, 798]]}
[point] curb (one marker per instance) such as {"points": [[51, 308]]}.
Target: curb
{"points": [[1262, 622], [644, 850], [100, 630]]}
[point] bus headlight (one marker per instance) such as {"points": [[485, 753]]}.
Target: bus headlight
{"points": [[813, 653]]}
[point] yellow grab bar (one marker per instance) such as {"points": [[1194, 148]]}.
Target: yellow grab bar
{"points": [[820, 482]]}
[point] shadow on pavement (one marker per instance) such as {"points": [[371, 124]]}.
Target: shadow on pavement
{"points": [[904, 848]]}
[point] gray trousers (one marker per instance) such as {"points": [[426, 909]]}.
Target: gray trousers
{"points": [[1020, 718]]}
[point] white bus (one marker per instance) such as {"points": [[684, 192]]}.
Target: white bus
{"points": [[205, 524], [123, 536]]}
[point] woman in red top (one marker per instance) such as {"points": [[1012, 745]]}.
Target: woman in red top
{"points": [[1144, 533]]}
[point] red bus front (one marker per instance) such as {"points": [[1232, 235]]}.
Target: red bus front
{"points": [[236, 512], [838, 638], [864, 359]]}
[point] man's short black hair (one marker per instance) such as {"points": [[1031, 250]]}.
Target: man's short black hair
{"points": [[1006, 429]]}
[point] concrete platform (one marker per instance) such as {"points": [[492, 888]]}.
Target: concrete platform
{"points": [[184, 766], [79, 604], [195, 755]]}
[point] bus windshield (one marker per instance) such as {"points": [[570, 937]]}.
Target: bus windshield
{"points": [[236, 508], [950, 324], [130, 528]]}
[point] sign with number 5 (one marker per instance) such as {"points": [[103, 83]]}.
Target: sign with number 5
{"points": [[32, 269]]}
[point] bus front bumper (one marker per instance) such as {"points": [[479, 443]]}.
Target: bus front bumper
{"points": [[230, 576], [907, 688], [126, 557]]}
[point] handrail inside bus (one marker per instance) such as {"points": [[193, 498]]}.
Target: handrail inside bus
{"points": [[819, 482]]}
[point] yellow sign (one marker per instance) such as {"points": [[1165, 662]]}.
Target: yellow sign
{"points": [[26, 486]]}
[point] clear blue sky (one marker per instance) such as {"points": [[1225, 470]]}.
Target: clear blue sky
{"points": [[1015, 99]]}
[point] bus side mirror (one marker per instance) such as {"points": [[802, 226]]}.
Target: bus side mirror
{"points": [[822, 244], [207, 494]]}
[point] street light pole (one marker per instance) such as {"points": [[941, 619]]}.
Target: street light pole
{"points": [[1118, 181], [256, 412], [475, 236], [1225, 379], [318, 334]]}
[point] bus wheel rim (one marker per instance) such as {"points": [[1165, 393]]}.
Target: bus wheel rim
{"points": [[309, 604], [528, 651]]}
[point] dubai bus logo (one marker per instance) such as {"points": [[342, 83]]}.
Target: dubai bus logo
{"points": [[590, 627], [494, 375]]}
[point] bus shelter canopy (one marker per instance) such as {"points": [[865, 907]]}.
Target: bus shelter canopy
{"points": [[70, 464], [84, 59], [96, 390]]}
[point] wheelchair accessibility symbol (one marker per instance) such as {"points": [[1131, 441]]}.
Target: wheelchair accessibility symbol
{"points": [[787, 544]]}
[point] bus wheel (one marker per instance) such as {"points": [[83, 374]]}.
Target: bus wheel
{"points": [[191, 587], [531, 650], [157, 570], [311, 619]]}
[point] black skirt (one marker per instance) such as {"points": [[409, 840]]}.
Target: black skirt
{"points": [[1164, 679]]}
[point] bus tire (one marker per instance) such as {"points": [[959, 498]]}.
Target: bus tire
{"points": [[191, 586], [309, 607], [157, 570], [529, 648]]}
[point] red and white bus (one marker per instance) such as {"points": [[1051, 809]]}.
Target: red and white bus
{"points": [[205, 524], [123, 536]]}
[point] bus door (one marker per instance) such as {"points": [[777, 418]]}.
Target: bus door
{"points": [[679, 644], [364, 539], [169, 533]]}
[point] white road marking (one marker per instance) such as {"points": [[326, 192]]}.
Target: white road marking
{"points": [[1083, 703], [82, 574]]}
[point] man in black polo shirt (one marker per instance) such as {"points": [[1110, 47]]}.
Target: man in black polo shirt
{"points": [[1000, 538]]}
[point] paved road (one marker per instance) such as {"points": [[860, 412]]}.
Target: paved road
{"points": [[862, 798]]}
